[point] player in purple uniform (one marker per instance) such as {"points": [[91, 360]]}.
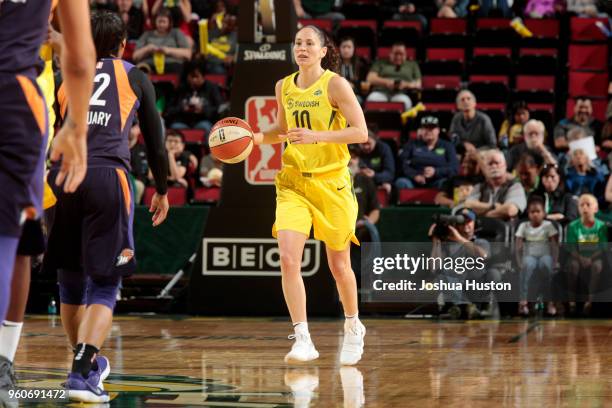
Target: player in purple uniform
{"points": [[90, 243], [23, 129]]}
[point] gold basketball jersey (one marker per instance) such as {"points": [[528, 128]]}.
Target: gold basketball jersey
{"points": [[310, 108]]}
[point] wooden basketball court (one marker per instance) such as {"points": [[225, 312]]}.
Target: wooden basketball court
{"points": [[221, 362]]}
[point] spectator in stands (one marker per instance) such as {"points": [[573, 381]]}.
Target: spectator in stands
{"points": [[565, 159], [511, 130], [103, 5], [458, 188], [583, 117], [470, 127], [179, 9], [391, 78], [590, 235], [560, 206], [197, 101], [223, 40], [534, 144], [180, 162], [352, 67], [138, 161], [583, 8], [317, 9], [500, 195], [407, 11], [165, 43], [133, 18], [540, 8], [528, 173], [367, 199], [447, 9], [606, 134], [378, 161], [536, 249], [583, 178], [494, 8], [211, 171], [428, 161]]}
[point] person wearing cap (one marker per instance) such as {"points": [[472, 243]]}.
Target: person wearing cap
{"points": [[428, 161], [377, 161]]}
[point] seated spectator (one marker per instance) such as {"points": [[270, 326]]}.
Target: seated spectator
{"points": [[511, 130], [560, 206], [367, 199], [323, 9], [528, 172], [590, 235], [583, 8], [180, 11], [133, 18], [222, 43], [494, 8], [179, 160], [536, 249], [583, 117], [197, 101], [391, 78], [407, 11], [447, 9], [458, 188], [428, 161], [500, 195], [541, 8], [583, 178], [352, 66], [378, 161], [211, 171], [164, 43], [138, 162], [534, 144], [470, 127], [577, 133]]}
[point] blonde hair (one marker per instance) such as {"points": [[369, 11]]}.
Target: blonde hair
{"points": [[591, 197]]}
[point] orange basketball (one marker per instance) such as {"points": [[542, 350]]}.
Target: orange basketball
{"points": [[231, 140]]}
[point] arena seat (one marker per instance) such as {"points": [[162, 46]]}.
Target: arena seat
{"points": [[408, 35], [363, 31], [206, 194], [323, 24], [391, 135], [219, 79], [535, 83], [593, 84], [584, 29], [441, 81], [383, 53], [383, 197], [543, 27], [448, 26], [195, 136], [588, 57], [445, 54], [537, 65], [418, 196], [177, 196]]}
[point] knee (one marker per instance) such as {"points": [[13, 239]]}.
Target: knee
{"points": [[290, 263], [341, 269], [103, 291]]}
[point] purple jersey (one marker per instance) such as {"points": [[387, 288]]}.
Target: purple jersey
{"points": [[23, 28], [112, 107]]}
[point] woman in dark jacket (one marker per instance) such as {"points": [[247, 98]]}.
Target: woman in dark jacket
{"points": [[352, 67], [560, 206]]}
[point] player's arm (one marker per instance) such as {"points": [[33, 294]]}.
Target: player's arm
{"points": [[78, 67], [271, 136], [341, 95], [151, 126]]}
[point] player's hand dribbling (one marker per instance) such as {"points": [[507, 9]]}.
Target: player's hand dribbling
{"points": [[159, 206], [300, 136], [70, 145]]}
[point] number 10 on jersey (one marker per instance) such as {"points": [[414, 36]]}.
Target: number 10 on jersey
{"points": [[302, 119]]}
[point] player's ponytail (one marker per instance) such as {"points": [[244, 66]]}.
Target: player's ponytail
{"points": [[331, 60]]}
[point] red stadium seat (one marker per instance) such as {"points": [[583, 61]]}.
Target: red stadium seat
{"points": [[383, 197], [535, 83], [448, 26], [441, 81], [206, 194], [394, 135], [588, 57], [588, 84], [219, 79], [176, 196], [549, 52], [418, 196], [364, 52], [385, 106], [371, 24], [195, 136], [445, 54], [479, 51], [495, 23], [584, 29], [489, 78], [323, 24], [416, 24], [543, 28], [130, 46]]}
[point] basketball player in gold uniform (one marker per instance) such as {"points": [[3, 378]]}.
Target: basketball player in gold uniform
{"points": [[314, 188]]}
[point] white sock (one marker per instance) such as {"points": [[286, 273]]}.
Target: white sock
{"points": [[9, 338], [301, 328], [351, 320]]}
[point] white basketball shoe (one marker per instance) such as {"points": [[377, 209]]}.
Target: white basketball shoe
{"points": [[302, 350], [352, 346]]}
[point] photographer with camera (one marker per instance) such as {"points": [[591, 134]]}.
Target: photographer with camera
{"points": [[457, 233]]}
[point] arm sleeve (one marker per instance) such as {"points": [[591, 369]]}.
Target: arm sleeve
{"points": [[406, 161], [452, 164], [520, 231], [388, 172], [489, 131], [151, 126], [181, 39], [516, 196]]}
